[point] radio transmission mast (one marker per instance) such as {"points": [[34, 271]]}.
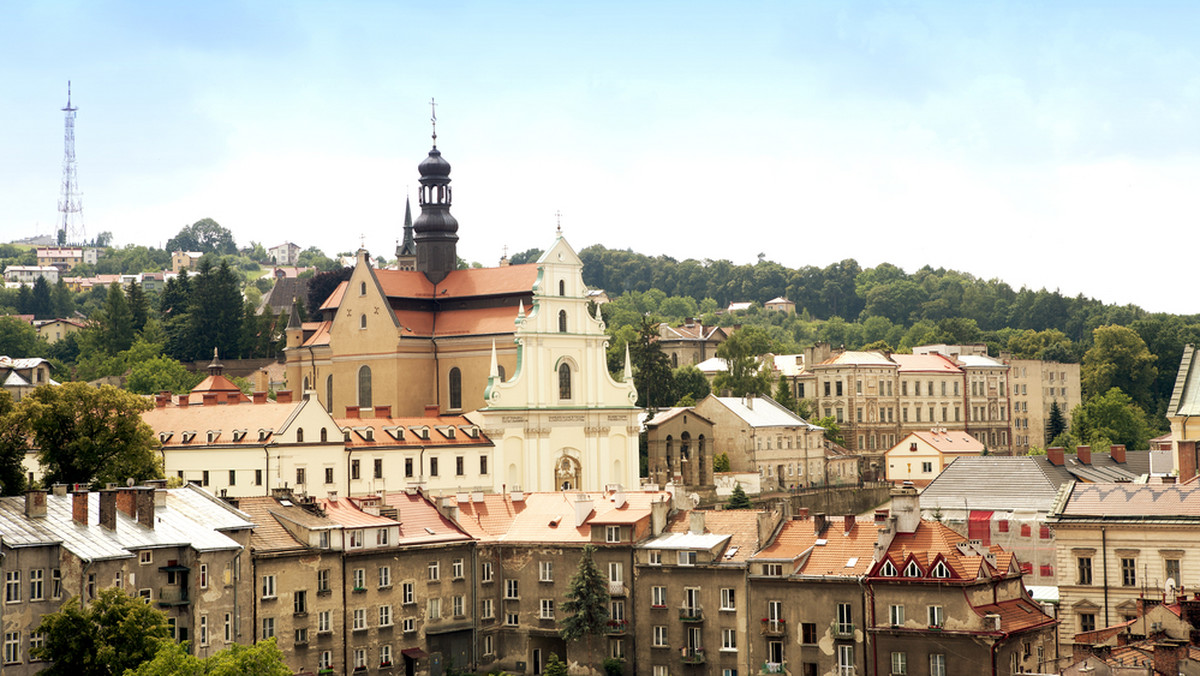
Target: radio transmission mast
{"points": [[70, 230]]}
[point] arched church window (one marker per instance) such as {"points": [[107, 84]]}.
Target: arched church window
{"points": [[362, 322], [455, 388], [329, 393], [324, 435], [562, 321], [685, 443], [674, 359], [564, 381], [305, 385], [562, 287], [362, 288], [364, 387], [500, 372], [299, 435]]}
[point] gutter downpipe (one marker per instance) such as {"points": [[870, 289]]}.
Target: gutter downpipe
{"points": [[1104, 563], [869, 613]]}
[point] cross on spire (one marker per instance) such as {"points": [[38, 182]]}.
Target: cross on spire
{"points": [[558, 218], [433, 119]]}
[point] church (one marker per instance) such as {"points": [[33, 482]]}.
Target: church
{"points": [[513, 348]]}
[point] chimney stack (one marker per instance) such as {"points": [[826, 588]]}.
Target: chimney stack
{"points": [[583, 508], [382, 411], [35, 504], [848, 523], [1084, 453], [696, 522], [79, 506], [431, 410], [1117, 451], [126, 502], [819, 523], [907, 507], [283, 397], [210, 398], [1055, 455], [59, 489], [146, 499], [260, 397], [881, 515], [352, 412], [108, 508]]}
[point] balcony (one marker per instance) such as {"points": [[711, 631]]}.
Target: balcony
{"points": [[692, 655], [691, 613], [774, 668], [617, 589], [842, 630], [617, 627], [773, 628], [173, 596]]}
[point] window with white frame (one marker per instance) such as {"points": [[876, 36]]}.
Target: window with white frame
{"points": [[356, 539], [459, 605], [381, 536], [487, 609], [616, 649], [512, 589], [616, 610], [686, 558], [728, 639], [545, 571], [360, 619], [36, 641], [612, 533], [728, 598], [661, 670], [488, 647], [204, 576], [12, 586], [896, 615], [935, 616], [268, 586], [268, 628], [37, 584], [359, 577], [435, 609], [511, 619], [658, 597], [485, 572], [547, 609], [12, 647], [324, 623], [845, 660], [937, 665], [616, 572], [385, 655], [385, 576], [899, 664], [435, 571], [456, 569], [406, 593], [385, 616], [325, 661], [660, 636], [204, 630], [360, 658], [655, 557], [408, 625], [56, 584]]}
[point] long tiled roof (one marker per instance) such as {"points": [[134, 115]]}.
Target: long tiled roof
{"points": [[925, 363], [833, 551], [1121, 501], [269, 535], [1016, 614], [421, 522], [852, 358], [404, 432], [741, 525], [548, 517], [226, 419], [993, 482]]}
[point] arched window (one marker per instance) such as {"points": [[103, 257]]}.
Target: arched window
{"points": [[324, 435], [564, 381], [674, 359], [455, 388], [305, 386], [362, 288], [562, 321], [329, 393], [685, 446], [500, 372], [562, 287], [362, 321], [364, 387], [299, 435]]}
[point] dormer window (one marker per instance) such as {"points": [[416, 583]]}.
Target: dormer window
{"points": [[941, 570], [773, 569], [188, 436], [263, 434], [213, 435], [396, 433], [912, 570], [888, 569], [164, 436], [687, 558]]}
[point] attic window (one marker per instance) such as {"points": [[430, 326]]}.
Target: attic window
{"points": [[212, 436], [471, 431], [263, 434], [732, 551], [912, 570], [396, 433], [238, 435], [888, 570], [188, 436], [852, 562], [447, 431], [429, 530], [941, 570], [421, 432], [164, 436], [346, 434]]}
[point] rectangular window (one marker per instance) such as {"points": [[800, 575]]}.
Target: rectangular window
{"points": [[204, 478], [546, 571], [381, 536], [900, 660], [302, 636], [459, 602], [385, 616], [204, 630], [12, 586], [435, 609], [323, 580], [1085, 569], [658, 597], [359, 579], [354, 470], [232, 477], [838, 385], [258, 477], [616, 572], [547, 609], [488, 649], [328, 475], [456, 569], [896, 615], [299, 476], [459, 466], [660, 636], [616, 610], [1087, 622], [728, 639], [356, 538], [268, 627], [268, 586], [360, 619], [406, 593], [300, 601], [935, 616], [1172, 567], [360, 658], [12, 647], [324, 621], [37, 584], [686, 558], [612, 533], [937, 665], [1128, 572], [385, 656], [511, 589], [435, 571], [228, 627], [483, 465], [433, 467], [326, 660], [808, 633], [845, 619], [927, 467], [485, 574], [845, 660], [379, 468], [487, 609], [728, 598], [408, 468], [385, 576]]}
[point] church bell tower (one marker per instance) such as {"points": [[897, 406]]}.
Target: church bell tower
{"points": [[435, 231]]}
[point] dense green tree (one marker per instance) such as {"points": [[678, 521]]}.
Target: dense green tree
{"points": [[783, 395], [117, 322], [526, 256], [24, 301], [1118, 358], [1056, 423], [12, 447], [41, 304], [263, 658], [312, 257], [114, 633], [322, 285], [689, 381], [19, 339], [738, 499], [585, 607], [555, 666], [833, 430], [651, 369], [721, 462], [161, 374], [205, 235], [89, 435], [1110, 418], [744, 372], [62, 301], [214, 314], [139, 306]]}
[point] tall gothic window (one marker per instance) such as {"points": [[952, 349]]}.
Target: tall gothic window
{"points": [[562, 321], [329, 393], [562, 287], [455, 388], [564, 381], [364, 387]]}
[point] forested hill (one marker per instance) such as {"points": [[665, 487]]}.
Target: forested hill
{"points": [[884, 307]]}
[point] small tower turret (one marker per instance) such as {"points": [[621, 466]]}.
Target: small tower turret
{"points": [[435, 231]]}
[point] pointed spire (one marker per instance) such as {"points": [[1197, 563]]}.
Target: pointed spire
{"points": [[216, 367], [294, 317], [521, 309], [494, 369], [628, 374]]}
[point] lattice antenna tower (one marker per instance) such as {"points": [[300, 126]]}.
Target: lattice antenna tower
{"points": [[70, 203]]}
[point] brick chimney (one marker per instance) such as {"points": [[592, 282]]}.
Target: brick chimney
{"points": [[1055, 455], [145, 505], [1167, 656], [819, 523], [233, 397], [108, 508], [283, 397], [161, 399], [431, 410], [259, 397], [184, 401], [847, 523], [1117, 451], [35, 504], [352, 412], [79, 506], [881, 515], [210, 398], [126, 502], [383, 411], [1084, 453]]}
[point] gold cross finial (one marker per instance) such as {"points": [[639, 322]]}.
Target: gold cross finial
{"points": [[433, 118]]}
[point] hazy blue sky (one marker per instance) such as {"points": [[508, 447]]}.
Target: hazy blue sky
{"points": [[1046, 144]]}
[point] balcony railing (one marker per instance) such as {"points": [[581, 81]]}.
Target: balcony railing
{"points": [[842, 630], [173, 596], [691, 613], [692, 655], [773, 627], [774, 668], [617, 589], [617, 627]]}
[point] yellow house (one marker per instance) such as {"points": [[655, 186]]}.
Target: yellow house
{"points": [[921, 456], [54, 330]]}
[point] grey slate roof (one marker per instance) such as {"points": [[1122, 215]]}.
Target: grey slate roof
{"points": [[994, 482], [1185, 398]]}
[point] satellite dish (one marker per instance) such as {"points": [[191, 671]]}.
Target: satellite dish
{"points": [[695, 498]]}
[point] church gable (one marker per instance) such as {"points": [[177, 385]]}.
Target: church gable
{"points": [[364, 314]]}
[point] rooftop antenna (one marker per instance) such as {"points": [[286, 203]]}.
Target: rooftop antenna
{"points": [[433, 119], [69, 204]]}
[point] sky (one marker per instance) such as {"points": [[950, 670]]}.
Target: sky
{"points": [[1050, 145]]}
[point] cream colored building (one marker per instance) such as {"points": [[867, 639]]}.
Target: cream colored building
{"points": [[1184, 415], [921, 456], [1036, 386]]}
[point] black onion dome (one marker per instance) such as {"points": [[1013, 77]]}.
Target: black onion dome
{"points": [[434, 166]]}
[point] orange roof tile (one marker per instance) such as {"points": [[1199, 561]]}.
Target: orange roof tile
{"points": [[420, 521], [382, 430], [225, 419], [548, 517], [477, 321], [510, 279], [335, 298], [347, 514], [1017, 614], [320, 335], [839, 552], [217, 383], [932, 540], [925, 363]]}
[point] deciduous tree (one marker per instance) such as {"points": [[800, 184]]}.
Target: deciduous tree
{"points": [[1118, 358], [1111, 418], [745, 373], [110, 635]]}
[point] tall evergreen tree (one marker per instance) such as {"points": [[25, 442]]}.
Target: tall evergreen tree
{"points": [[738, 499], [784, 396], [1056, 424], [586, 604], [63, 301], [139, 306], [118, 321], [24, 300], [42, 306], [651, 369], [173, 301]]}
